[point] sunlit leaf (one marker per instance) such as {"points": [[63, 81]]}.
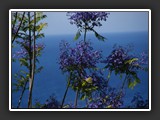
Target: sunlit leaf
{"points": [[109, 106], [83, 83], [83, 97], [134, 83], [78, 34], [89, 80], [41, 26], [109, 75], [131, 61], [66, 106]]}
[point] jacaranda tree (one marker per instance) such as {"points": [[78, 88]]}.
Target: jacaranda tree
{"points": [[83, 58]]}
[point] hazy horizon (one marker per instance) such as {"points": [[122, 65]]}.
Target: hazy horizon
{"points": [[58, 23]]}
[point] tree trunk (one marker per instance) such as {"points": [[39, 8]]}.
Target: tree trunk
{"points": [[33, 66], [65, 94], [76, 99], [20, 99]]}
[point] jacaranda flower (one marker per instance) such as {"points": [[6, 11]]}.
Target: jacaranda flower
{"points": [[82, 56], [87, 19]]}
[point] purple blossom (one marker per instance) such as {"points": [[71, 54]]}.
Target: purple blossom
{"points": [[143, 59], [89, 19], [121, 61], [24, 53], [80, 60], [20, 54], [82, 55], [117, 59], [110, 98]]}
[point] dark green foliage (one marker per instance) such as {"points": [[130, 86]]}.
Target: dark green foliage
{"points": [[98, 36]]}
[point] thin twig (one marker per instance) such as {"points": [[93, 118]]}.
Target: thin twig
{"points": [[33, 64], [18, 28]]}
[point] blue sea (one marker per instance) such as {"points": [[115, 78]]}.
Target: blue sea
{"points": [[51, 80]]}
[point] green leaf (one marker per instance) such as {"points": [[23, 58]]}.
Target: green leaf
{"points": [[98, 36], [107, 97], [78, 34], [83, 97], [109, 75], [41, 26], [39, 16], [106, 67], [137, 80], [134, 83], [95, 68], [116, 72], [27, 75], [23, 62], [39, 69], [89, 80], [88, 89], [121, 76], [131, 60], [23, 72], [40, 35], [83, 83], [109, 106], [94, 88], [66, 106]]}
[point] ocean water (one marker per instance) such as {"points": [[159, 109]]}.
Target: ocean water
{"points": [[51, 80]]}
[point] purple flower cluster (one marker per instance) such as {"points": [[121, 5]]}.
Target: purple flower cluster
{"points": [[20, 54], [90, 19], [143, 58], [98, 79], [24, 53], [117, 59], [121, 61], [82, 56], [111, 99]]}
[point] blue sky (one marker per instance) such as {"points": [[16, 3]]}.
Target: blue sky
{"points": [[58, 23]]}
